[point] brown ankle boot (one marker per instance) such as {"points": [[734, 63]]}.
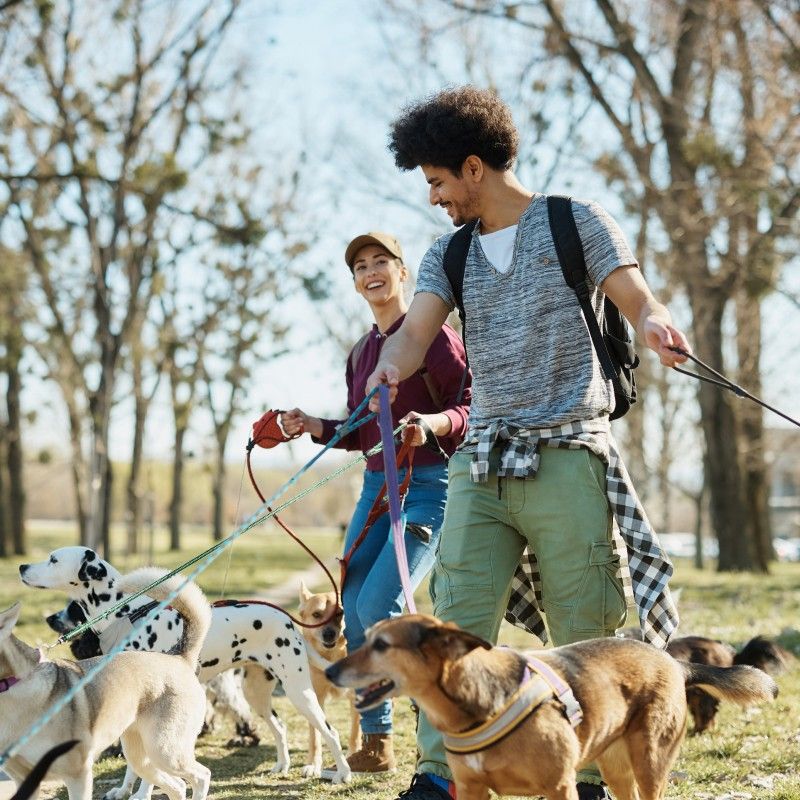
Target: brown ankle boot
{"points": [[376, 754]]}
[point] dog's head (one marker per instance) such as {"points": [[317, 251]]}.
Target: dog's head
{"points": [[768, 656], [87, 645], [402, 656], [65, 569], [68, 618], [316, 607]]}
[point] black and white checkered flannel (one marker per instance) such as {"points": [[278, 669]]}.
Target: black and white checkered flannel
{"points": [[644, 567]]}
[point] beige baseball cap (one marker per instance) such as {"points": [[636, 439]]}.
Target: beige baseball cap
{"points": [[385, 240]]}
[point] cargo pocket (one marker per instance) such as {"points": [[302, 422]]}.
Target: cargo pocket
{"points": [[439, 588], [600, 605]]}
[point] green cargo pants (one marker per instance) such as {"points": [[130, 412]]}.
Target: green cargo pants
{"points": [[563, 513]]}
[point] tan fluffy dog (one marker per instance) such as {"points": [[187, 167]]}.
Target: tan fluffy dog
{"points": [[632, 695], [153, 702], [327, 640]]}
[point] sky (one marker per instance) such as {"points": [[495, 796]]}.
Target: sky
{"points": [[314, 68]]}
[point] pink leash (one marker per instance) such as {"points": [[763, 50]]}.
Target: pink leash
{"points": [[395, 512]]}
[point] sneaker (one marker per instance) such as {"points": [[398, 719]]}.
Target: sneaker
{"points": [[592, 791], [423, 788]]}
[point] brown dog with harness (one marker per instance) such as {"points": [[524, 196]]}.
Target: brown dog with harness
{"points": [[523, 725]]}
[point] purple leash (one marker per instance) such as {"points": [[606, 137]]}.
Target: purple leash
{"points": [[393, 490]]}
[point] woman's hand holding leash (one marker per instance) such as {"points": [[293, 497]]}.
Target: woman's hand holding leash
{"points": [[296, 422]]}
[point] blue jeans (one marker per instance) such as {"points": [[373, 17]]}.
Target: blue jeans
{"points": [[372, 589]]}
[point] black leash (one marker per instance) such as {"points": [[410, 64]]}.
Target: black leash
{"points": [[725, 383]]}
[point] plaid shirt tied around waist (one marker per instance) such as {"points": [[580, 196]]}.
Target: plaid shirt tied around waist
{"points": [[644, 567]]}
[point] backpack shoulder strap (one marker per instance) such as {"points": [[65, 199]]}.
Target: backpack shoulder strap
{"points": [[357, 351], [573, 264], [455, 262]]}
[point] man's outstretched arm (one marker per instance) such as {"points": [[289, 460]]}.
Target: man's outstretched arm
{"points": [[652, 321], [405, 349]]}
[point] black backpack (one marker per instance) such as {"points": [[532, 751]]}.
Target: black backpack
{"points": [[613, 345]]}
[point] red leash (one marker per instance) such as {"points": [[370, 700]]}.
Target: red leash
{"points": [[267, 433], [380, 505]]}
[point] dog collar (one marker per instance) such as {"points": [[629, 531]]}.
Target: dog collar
{"points": [[539, 684], [7, 683]]}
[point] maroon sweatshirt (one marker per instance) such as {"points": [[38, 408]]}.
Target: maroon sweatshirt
{"points": [[444, 361]]}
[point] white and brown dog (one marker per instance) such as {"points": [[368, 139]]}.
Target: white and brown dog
{"points": [[257, 637], [329, 642], [523, 725]]}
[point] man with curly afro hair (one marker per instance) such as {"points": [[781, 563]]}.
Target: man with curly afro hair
{"points": [[537, 484]]}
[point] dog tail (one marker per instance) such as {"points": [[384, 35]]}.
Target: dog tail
{"points": [[742, 685], [766, 655], [190, 603], [31, 783]]}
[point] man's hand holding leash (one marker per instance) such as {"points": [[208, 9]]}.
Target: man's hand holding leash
{"points": [[384, 373]]}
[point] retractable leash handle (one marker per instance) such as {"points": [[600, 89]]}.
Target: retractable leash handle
{"points": [[725, 383]]}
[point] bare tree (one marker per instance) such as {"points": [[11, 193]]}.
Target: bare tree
{"points": [[96, 158], [12, 490]]}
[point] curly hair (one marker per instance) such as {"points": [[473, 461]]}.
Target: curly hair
{"points": [[450, 125]]}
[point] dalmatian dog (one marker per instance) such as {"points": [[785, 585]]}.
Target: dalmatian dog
{"points": [[260, 639]]}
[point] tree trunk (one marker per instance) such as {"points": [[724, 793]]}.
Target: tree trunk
{"points": [[729, 517], [219, 494], [751, 419], [176, 503], [3, 500], [134, 500], [77, 471], [108, 485], [16, 484], [99, 469], [699, 503]]}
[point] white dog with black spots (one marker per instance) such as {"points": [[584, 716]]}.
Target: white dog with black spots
{"points": [[261, 639]]}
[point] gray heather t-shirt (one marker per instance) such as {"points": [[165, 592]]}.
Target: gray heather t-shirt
{"points": [[531, 355]]}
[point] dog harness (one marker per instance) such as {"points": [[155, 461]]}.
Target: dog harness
{"points": [[7, 683], [539, 684]]}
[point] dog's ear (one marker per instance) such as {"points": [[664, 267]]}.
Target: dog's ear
{"points": [[8, 619], [92, 567], [449, 641], [304, 593]]}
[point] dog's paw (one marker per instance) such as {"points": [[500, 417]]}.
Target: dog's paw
{"points": [[115, 794], [342, 776], [280, 769], [311, 770]]}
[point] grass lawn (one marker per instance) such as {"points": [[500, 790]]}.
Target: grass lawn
{"points": [[752, 755]]}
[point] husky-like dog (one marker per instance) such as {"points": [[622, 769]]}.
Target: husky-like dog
{"points": [[153, 702]]}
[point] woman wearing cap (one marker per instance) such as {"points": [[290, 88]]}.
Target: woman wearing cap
{"points": [[372, 590]]}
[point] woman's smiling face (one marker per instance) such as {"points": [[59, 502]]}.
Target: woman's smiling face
{"points": [[378, 276]]}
